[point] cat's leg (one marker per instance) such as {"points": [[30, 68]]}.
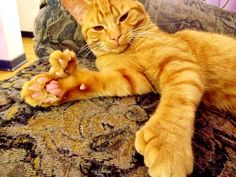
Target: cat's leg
{"points": [[165, 140], [47, 89]]}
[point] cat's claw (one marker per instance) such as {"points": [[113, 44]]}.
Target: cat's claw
{"points": [[163, 155]]}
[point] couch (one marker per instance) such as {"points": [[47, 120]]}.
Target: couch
{"points": [[96, 137]]}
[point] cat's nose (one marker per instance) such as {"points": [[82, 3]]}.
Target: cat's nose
{"points": [[115, 37]]}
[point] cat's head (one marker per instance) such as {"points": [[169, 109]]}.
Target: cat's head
{"points": [[108, 26]]}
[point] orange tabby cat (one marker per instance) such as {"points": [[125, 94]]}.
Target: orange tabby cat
{"points": [[135, 57]]}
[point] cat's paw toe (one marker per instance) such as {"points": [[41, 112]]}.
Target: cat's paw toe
{"points": [[42, 90], [62, 63], [142, 138], [161, 161], [164, 154]]}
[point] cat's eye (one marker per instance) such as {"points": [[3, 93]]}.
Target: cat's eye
{"points": [[124, 17], [98, 28]]}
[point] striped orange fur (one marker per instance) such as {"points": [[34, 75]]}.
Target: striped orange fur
{"points": [[135, 57]]}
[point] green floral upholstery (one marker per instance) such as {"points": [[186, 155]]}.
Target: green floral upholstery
{"points": [[95, 138]]}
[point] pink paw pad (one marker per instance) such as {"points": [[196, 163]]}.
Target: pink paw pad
{"points": [[42, 80], [53, 88], [83, 87], [37, 95], [35, 88]]}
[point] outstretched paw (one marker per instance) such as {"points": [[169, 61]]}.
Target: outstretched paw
{"points": [[42, 90], [63, 63], [165, 154]]}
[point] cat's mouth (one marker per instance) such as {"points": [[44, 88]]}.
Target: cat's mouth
{"points": [[120, 48]]}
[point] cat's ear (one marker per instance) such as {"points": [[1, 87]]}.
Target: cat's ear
{"points": [[77, 8]]}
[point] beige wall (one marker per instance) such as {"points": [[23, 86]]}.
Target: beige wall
{"points": [[28, 10], [10, 29]]}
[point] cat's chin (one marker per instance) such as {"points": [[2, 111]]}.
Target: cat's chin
{"points": [[120, 49]]}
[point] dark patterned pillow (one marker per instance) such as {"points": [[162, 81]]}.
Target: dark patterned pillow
{"points": [[55, 28]]}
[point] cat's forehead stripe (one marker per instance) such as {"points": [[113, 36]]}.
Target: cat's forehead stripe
{"points": [[104, 7]]}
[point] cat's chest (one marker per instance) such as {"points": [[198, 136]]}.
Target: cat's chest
{"points": [[117, 61]]}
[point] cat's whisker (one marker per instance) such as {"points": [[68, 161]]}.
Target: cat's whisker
{"points": [[145, 35], [129, 35], [89, 47], [144, 27], [85, 47], [167, 23], [100, 48], [92, 52], [164, 23]]}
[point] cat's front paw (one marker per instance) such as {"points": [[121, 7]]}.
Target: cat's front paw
{"points": [[42, 90], [62, 63], [165, 154]]}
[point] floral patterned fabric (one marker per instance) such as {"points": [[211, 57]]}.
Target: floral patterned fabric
{"points": [[96, 137]]}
